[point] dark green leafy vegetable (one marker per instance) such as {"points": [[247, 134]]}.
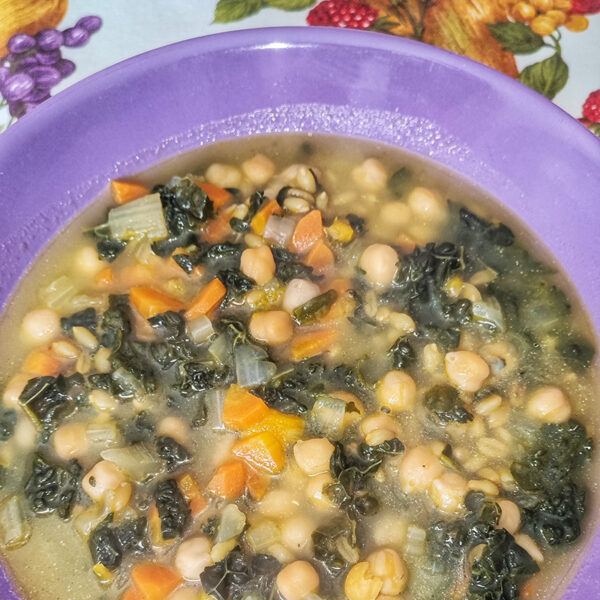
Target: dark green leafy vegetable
{"points": [[398, 183], [577, 354], [84, 318], [445, 403], [402, 354], [357, 223], [254, 203], [173, 510], [335, 545], [109, 544], [315, 308], [169, 326], [108, 249], [236, 282], [288, 266], [52, 488], [240, 576], [172, 452], [138, 429], [8, 420]]}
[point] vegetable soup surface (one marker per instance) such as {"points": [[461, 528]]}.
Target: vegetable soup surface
{"points": [[301, 368]]}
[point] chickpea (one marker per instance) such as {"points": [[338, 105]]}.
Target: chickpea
{"points": [[175, 428], [448, 492], [87, 262], [70, 440], [315, 491], [530, 547], [313, 456], [379, 262], [192, 557], [279, 504], [14, 388], [41, 325], [549, 405], [355, 410], [379, 422], [466, 370], [361, 583], [258, 264], [510, 516], [298, 292], [370, 176], [388, 565], [224, 175], [297, 580], [427, 206], [273, 327], [394, 215], [397, 390], [258, 169], [419, 467], [296, 535], [102, 477]]}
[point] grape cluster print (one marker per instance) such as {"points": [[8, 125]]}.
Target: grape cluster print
{"points": [[34, 64]]}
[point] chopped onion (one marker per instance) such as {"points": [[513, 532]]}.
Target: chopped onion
{"points": [[488, 313], [233, 521], [221, 349], [415, 541], [215, 400], [128, 382], [86, 521], [15, 529], [102, 433], [262, 535], [200, 329], [327, 416], [250, 367], [279, 230], [142, 218], [58, 293], [137, 462]]}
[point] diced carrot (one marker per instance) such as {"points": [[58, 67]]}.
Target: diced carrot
{"points": [[242, 409], [156, 528], [191, 492], [308, 231], [288, 428], [218, 229], [218, 196], [126, 191], [229, 481], [312, 343], [105, 277], [154, 582], [258, 484], [42, 363], [207, 300], [319, 257], [260, 219], [131, 594], [262, 451], [150, 302]]}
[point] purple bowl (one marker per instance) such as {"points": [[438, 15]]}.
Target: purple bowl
{"points": [[497, 133]]}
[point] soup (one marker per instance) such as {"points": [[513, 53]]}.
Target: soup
{"points": [[289, 371]]}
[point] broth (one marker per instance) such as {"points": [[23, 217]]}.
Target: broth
{"points": [[473, 426]]}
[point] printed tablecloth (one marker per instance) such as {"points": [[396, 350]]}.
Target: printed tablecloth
{"points": [[552, 46]]}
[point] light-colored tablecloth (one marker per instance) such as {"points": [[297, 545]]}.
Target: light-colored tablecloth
{"points": [[551, 45]]}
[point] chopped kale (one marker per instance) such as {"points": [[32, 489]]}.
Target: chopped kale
{"points": [[236, 283], [116, 321], [194, 377], [240, 576], [288, 266], [108, 249], [84, 318], [169, 326], [444, 402], [109, 544], [402, 354], [49, 400], [577, 354], [399, 182], [335, 545], [138, 429], [8, 420], [173, 510], [172, 452], [52, 488], [254, 203]]}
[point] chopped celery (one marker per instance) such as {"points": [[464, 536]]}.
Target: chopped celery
{"points": [[142, 218], [59, 293], [15, 529], [262, 535], [415, 541], [137, 461], [102, 433], [327, 416], [233, 521], [200, 329]]}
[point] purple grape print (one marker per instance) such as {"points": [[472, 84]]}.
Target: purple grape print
{"points": [[35, 64]]}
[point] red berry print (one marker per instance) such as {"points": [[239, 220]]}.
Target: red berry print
{"points": [[343, 13], [591, 107], [585, 7]]}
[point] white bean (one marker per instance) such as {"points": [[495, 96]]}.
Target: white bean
{"points": [[258, 169], [192, 557], [298, 292], [224, 176], [510, 517], [87, 262], [41, 325], [530, 547]]}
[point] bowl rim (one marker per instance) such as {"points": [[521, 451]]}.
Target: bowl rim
{"points": [[530, 102]]}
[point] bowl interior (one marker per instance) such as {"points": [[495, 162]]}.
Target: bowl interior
{"points": [[496, 133]]}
